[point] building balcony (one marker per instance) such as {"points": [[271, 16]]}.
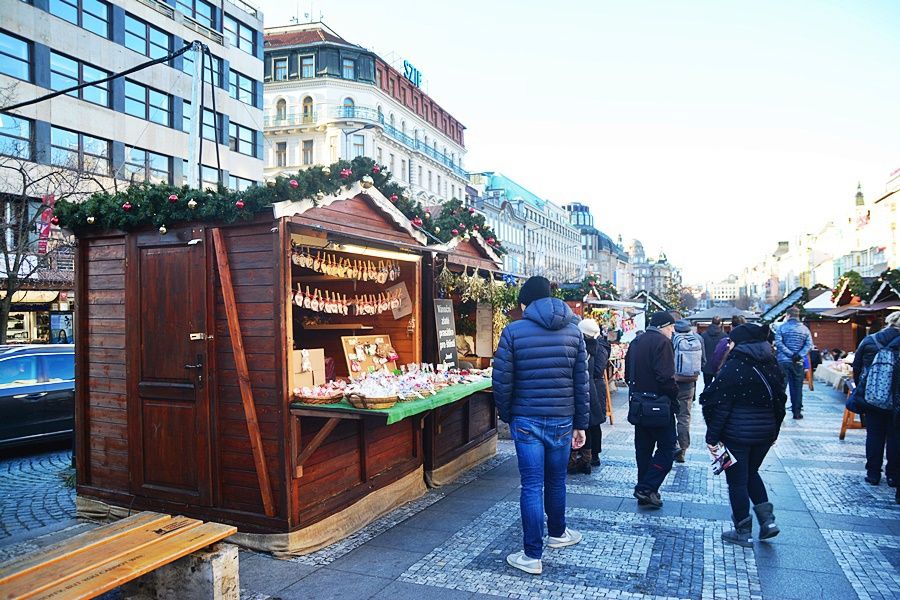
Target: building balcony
{"points": [[289, 120]]}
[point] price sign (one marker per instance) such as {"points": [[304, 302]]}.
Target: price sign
{"points": [[445, 324]]}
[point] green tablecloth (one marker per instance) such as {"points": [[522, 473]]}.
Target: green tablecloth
{"points": [[402, 410]]}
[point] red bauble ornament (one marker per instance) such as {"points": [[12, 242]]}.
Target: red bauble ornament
{"points": [[54, 220], [462, 226], [393, 197], [126, 207], [376, 169], [294, 184], [345, 173], [173, 198], [417, 222], [475, 228], [471, 211], [455, 232], [239, 204], [490, 241]]}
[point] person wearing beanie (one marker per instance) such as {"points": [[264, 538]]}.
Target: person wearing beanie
{"points": [[541, 388], [650, 370], [711, 338], [793, 342], [690, 358], [882, 429], [744, 408], [588, 456]]}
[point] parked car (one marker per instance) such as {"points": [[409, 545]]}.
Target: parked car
{"points": [[37, 393]]}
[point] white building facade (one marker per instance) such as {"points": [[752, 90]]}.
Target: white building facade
{"points": [[327, 99]]}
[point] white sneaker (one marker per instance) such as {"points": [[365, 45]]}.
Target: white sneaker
{"points": [[522, 562], [570, 537]]}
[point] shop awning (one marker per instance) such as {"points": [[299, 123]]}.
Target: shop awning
{"points": [[32, 296], [840, 312], [878, 306]]}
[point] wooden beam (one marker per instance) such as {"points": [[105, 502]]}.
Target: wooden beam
{"points": [[609, 409], [313, 445], [243, 372]]}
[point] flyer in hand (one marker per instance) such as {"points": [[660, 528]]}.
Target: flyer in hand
{"points": [[721, 459]]}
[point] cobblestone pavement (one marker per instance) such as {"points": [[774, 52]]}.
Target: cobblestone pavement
{"points": [[840, 536]]}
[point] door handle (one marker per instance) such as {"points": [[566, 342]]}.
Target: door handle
{"points": [[199, 368]]}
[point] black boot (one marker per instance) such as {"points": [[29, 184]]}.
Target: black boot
{"points": [[767, 527], [742, 534]]}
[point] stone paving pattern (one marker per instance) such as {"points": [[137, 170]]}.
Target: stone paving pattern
{"points": [[840, 536]]}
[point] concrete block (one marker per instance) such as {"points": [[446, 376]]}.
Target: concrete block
{"points": [[210, 574]]}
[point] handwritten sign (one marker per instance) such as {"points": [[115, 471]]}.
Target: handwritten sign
{"points": [[406, 306], [445, 323], [484, 330]]}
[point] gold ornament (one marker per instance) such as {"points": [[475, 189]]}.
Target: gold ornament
{"points": [[367, 182], [437, 229], [192, 204], [320, 195], [90, 220], [163, 230], [326, 171]]}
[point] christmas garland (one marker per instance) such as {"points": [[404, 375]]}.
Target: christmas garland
{"points": [[892, 276], [855, 284], [162, 205]]}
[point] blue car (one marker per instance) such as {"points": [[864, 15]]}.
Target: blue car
{"points": [[37, 393]]}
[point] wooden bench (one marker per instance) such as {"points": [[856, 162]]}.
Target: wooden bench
{"points": [[99, 560]]}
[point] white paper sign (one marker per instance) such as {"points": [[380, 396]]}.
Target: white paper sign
{"points": [[484, 330]]}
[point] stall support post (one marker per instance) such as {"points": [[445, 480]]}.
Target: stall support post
{"points": [[243, 372], [609, 409]]}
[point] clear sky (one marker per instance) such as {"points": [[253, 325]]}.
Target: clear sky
{"points": [[707, 128]]}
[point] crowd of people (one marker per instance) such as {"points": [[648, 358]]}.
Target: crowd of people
{"points": [[547, 382]]}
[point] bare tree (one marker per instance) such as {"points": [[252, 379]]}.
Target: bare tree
{"points": [[35, 253]]}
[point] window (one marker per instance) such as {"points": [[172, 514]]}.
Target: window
{"points": [[187, 66], [92, 15], [241, 139], [420, 175], [280, 69], [239, 184], [59, 367], [66, 72], [348, 108], [307, 152], [212, 123], [379, 156], [430, 187], [15, 136], [280, 110], [308, 115], [307, 67], [19, 370], [359, 145], [15, 54], [143, 165], [280, 154], [199, 10], [391, 164], [238, 34], [146, 103], [404, 176], [241, 87], [391, 86], [210, 175], [78, 151], [348, 70], [145, 38]]}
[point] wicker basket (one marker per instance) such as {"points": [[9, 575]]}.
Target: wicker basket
{"points": [[372, 403], [318, 399]]}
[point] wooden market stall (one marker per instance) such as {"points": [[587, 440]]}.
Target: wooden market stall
{"points": [[460, 435], [187, 358]]}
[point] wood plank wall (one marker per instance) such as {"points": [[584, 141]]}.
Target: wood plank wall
{"points": [[100, 357], [251, 252]]}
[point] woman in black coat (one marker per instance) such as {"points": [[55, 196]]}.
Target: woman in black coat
{"points": [[744, 409], [597, 348]]}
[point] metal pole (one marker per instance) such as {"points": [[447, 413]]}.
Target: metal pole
{"points": [[194, 140]]}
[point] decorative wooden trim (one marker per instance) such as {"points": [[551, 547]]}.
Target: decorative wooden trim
{"points": [[82, 440], [372, 195], [297, 460], [479, 241], [240, 361]]}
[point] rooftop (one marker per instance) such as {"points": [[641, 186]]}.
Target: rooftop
{"points": [[302, 35], [498, 181]]}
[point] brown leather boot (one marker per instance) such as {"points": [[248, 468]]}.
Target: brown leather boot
{"points": [[571, 467], [583, 464]]}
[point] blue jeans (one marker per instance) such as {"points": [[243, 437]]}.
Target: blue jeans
{"points": [[542, 448], [793, 379], [653, 467]]}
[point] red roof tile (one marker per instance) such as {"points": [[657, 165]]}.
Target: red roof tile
{"points": [[306, 36]]}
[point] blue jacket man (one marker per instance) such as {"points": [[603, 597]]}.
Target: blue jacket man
{"points": [[793, 342], [540, 384]]}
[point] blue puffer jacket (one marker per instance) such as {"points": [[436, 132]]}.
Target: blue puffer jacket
{"points": [[540, 367], [792, 338]]}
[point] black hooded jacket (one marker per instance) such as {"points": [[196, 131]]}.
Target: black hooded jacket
{"points": [[745, 403], [711, 338], [597, 359]]}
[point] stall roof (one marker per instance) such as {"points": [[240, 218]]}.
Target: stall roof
{"points": [[371, 197], [794, 297], [651, 301], [878, 306], [840, 312], [820, 303], [885, 292], [723, 312], [474, 252]]}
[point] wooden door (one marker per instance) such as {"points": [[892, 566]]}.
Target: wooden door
{"points": [[169, 412]]}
